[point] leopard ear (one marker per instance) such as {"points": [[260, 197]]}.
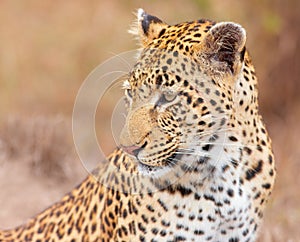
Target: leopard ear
{"points": [[223, 48], [147, 27]]}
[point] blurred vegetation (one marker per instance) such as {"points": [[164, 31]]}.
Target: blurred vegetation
{"points": [[47, 48]]}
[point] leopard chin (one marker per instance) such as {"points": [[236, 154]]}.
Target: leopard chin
{"points": [[166, 165]]}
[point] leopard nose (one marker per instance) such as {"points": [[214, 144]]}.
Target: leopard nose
{"points": [[131, 150]]}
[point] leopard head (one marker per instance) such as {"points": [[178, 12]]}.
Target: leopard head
{"points": [[180, 92]]}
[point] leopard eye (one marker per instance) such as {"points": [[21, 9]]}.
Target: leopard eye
{"points": [[169, 96], [166, 97]]}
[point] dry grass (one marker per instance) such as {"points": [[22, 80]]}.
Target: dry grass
{"points": [[47, 49], [42, 143], [38, 165]]}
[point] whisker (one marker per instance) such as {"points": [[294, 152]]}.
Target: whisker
{"points": [[199, 144]]}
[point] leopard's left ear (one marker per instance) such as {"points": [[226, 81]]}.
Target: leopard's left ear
{"points": [[223, 48], [147, 27]]}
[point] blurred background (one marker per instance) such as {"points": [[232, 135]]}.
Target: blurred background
{"points": [[47, 49]]}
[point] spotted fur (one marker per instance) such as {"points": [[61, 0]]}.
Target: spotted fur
{"points": [[195, 161]]}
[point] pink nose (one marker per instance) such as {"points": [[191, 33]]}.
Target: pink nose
{"points": [[132, 150]]}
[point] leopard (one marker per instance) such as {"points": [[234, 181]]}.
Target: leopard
{"points": [[195, 161]]}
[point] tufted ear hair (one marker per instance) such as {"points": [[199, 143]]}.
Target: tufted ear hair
{"points": [[223, 48], [147, 27]]}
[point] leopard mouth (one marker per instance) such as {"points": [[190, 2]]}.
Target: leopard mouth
{"points": [[166, 161], [169, 162]]}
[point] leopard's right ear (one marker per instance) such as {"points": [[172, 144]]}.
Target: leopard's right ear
{"points": [[223, 48], [147, 27]]}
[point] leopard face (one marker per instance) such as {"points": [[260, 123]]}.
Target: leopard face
{"points": [[180, 93]]}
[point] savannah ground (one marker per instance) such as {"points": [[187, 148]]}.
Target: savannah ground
{"points": [[48, 48]]}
